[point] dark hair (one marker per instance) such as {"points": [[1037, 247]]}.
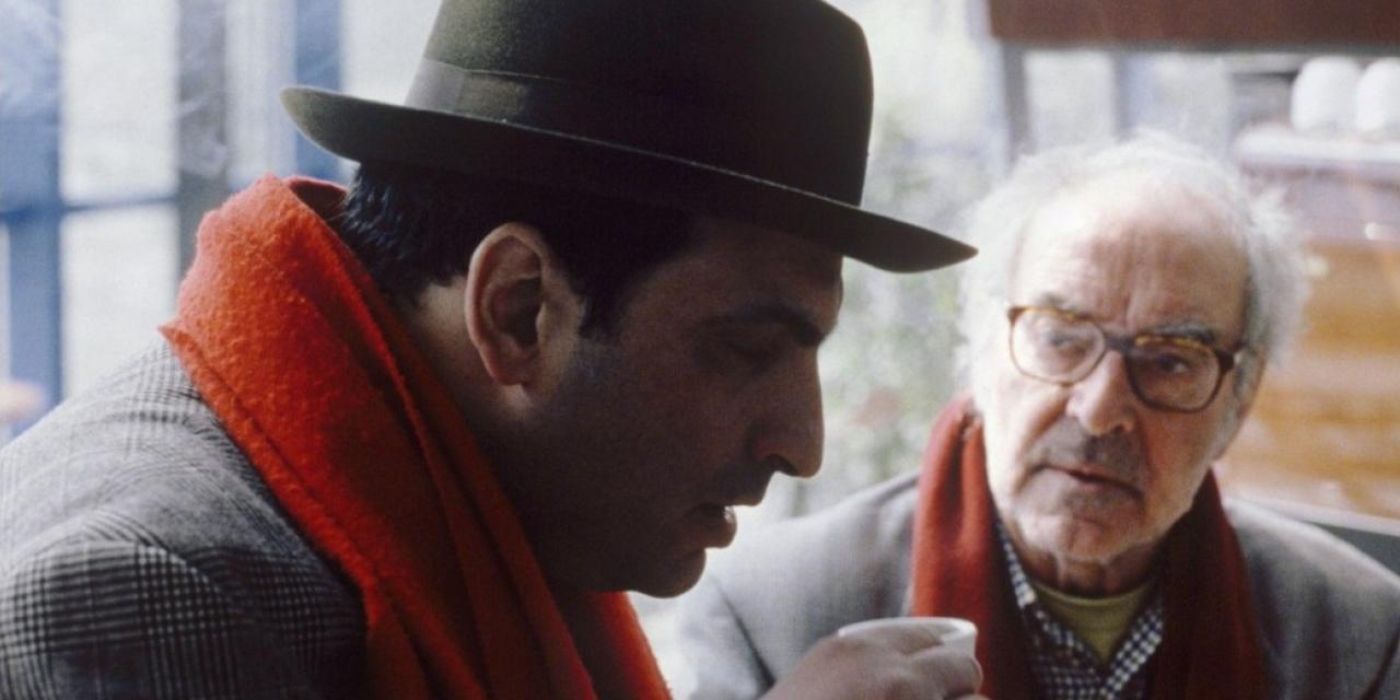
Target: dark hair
{"points": [[411, 226]]}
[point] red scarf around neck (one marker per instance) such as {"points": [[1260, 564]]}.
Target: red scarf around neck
{"points": [[1210, 647], [315, 379]]}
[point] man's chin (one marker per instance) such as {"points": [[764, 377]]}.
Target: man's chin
{"points": [[673, 579], [1076, 538]]}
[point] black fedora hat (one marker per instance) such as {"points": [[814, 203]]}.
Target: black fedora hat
{"points": [[750, 110]]}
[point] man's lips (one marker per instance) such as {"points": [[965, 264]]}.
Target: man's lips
{"points": [[1093, 475], [719, 523], [717, 517]]}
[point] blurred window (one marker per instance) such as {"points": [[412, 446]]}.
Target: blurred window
{"points": [[121, 124]]}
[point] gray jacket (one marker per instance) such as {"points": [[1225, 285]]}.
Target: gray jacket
{"points": [[1330, 616], [142, 557]]}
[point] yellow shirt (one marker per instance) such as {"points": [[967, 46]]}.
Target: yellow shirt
{"points": [[1101, 622]]}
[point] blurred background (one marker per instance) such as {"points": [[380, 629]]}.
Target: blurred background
{"points": [[122, 123]]}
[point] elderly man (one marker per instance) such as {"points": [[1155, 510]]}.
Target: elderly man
{"points": [[1119, 318], [415, 440]]}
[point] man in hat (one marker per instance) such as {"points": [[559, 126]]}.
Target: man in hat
{"points": [[1118, 320], [415, 440]]}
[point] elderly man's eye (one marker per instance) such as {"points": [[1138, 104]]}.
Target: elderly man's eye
{"points": [[1170, 363], [1066, 343]]}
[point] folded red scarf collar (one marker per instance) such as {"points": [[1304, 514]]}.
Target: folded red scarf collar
{"points": [[290, 344], [1210, 647]]}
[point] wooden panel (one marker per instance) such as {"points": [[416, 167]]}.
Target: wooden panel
{"points": [[1325, 428], [1324, 434], [1196, 21]]}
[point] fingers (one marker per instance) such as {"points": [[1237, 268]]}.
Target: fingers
{"points": [[886, 662], [955, 672], [944, 672]]}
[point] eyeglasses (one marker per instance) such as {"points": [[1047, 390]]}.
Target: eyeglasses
{"points": [[1167, 372]]}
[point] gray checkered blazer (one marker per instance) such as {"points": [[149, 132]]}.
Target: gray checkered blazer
{"points": [[142, 557]]}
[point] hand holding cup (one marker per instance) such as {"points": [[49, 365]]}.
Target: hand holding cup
{"points": [[921, 657]]}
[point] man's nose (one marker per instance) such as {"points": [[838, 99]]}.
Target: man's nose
{"points": [[1104, 402], [790, 433]]}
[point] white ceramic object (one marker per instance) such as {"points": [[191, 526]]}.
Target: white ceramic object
{"points": [[1378, 98], [1324, 95], [954, 632]]}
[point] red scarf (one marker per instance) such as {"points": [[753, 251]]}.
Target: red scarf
{"points": [[317, 382], [1209, 648]]}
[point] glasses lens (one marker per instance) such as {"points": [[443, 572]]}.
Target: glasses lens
{"points": [[1054, 346], [1175, 373]]}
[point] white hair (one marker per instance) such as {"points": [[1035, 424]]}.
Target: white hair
{"points": [[997, 225]]}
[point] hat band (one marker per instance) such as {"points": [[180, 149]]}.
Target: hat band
{"points": [[791, 149]]}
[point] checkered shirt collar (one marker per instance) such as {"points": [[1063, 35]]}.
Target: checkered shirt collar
{"points": [[1064, 666]]}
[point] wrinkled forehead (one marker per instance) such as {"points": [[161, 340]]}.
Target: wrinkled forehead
{"points": [[1136, 253]]}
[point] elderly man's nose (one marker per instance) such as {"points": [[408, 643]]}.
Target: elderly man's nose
{"points": [[1103, 402]]}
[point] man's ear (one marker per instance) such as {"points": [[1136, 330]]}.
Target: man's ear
{"points": [[513, 296]]}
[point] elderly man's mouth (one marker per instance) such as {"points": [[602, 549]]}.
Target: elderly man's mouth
{"points": [[1091, 477]]}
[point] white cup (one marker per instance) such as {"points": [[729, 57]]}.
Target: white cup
{"points": [[1324, 95], [953, 632], [1378, 98]]}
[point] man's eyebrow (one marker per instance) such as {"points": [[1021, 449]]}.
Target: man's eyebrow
{"points": [[1055, 301], [1198, 332], [1193, 330], [804, 329]]}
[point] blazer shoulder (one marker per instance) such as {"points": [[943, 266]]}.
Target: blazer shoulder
{"points": [[113, 619], [1329, 615], [793, 582], [1299, 557], [860, 541], [138, 536]]}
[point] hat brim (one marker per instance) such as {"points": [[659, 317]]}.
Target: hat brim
{"points": [[364, 130]]}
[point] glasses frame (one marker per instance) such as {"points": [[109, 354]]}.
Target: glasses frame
{"points": [[1225, 359]]}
